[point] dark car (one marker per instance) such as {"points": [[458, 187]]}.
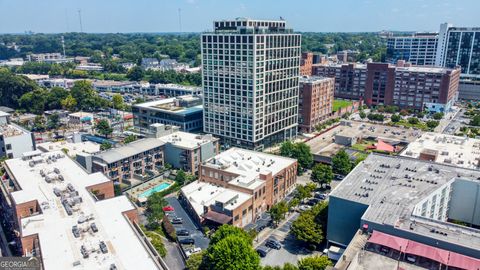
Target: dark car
{"points": [[272, 243], [177, 220], [76, 231], [183, 232], [320, 196], [262, 251], [187, 241], [94, 228], [312, 202]]}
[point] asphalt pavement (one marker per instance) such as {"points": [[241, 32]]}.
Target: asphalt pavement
{"points": [[201, 240]]}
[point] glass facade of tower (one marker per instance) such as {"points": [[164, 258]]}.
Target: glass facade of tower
{"points": [[463, 49], [250, 76]]}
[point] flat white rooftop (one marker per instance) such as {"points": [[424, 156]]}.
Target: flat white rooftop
{"points": [[187, 140], [201, 194], [458, 151], [59, 248], [248, 165], [73, 149]]}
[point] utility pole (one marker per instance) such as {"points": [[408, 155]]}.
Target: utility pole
{"points": [[80, 19], [180, 19]]}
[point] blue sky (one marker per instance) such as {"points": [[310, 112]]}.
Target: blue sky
{"points": [[48, 16]]}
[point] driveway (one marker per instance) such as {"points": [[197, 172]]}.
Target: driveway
{"points": [[201, 240], [174, 259]]}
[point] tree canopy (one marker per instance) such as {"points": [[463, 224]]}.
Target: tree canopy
{"points": [[299, 151], [314, 263], [12, 87], [322, 174], [341, 163]]}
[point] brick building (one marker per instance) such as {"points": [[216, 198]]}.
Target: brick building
{"points": [[412, 87], [237, 186], [306, 64], [315, 101], [67, 218]]}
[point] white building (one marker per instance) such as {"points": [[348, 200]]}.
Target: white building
{"points": [[70, 219], [418, 49], [14, 140], [251, 74]]}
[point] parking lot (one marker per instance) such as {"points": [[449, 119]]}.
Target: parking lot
{"points": [[291, 250], [196, 234]]}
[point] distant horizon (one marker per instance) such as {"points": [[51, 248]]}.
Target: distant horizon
{"points": [[185, 33], [195, 16]]}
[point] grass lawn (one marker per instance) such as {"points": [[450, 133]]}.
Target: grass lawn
{"points": [[338, 104], [406, 124]]}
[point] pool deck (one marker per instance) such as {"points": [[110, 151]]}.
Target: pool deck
{"points": [[136, 193]]}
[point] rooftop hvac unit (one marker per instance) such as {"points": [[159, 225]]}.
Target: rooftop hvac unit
{"points": [[56, 170], [57, 192]]}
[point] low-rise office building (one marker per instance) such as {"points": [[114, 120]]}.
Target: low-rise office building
{"points": [[69, 219], [134, 159], [14, 140], [237, 186], [185, 112], [315, 101], [426, 202]]}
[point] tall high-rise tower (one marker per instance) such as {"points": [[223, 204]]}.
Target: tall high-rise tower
{"points": [[250, 79]]}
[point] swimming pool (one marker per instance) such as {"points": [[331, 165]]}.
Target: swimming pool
{"points": [[158, 188]]}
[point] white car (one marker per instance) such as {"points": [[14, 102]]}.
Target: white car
{"points": [[302, 208], [192, 251]]}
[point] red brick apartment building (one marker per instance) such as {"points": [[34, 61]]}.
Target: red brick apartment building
{"points": [[237, 186], [315, 101], [412, 87]]}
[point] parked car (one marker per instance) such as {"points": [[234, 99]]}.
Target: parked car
{"points": [[187, 241], [75, 231], [168, 208], [262, 251], [320, 196], [191, 251], [304, 207], [272, 243], [177, 220], [183, 232]]}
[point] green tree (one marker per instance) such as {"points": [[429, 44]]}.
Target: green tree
{"points": [[475, 121], [135, 74], [154, 209], [314, 263], [341, 163], [395, 118], [227, 230], [233, 253], [34, 101], [55, 97], [130, 138], [432, 124], [39, 123], [103, 127], [306, 229], [413, 120], [362, 114], [322, 174], [12, 87], [86, 97], [194, 261], [299, 151], [53, 121], [438, 116], [117, 102], [180, 177], [105, 146], [278, 211], [69, 103]]}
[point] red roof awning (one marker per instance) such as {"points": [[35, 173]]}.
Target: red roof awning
{"points": [[217, 217], [463, 262], [383, 146], [387, 240], [429, 252]]}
